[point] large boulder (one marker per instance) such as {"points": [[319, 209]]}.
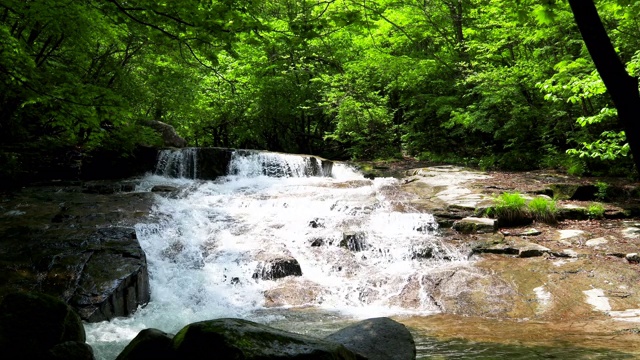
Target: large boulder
{"points": [[243, 339], [32, 324], [377, 339], [71, 350], [149, 344], [115, 279], [78, 247]]}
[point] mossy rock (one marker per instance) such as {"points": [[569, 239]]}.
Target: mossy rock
{"points": [[149, 344], [71, 350], [31, 324], [473, 225], [572, 213], [243, 339], [377, 339]]}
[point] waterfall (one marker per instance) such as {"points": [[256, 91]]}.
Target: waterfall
{"points": [[184, 163], [180, 163], [252, 164], [269, 237]]}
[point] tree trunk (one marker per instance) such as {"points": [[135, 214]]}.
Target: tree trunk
{"points": [[622, 87]]}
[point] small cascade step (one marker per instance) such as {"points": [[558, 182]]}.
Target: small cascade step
{"points": [[211, 163]]}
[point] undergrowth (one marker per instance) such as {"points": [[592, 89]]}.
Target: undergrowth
{"points": [[512, 208]]}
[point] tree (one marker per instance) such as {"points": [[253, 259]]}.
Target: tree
{"points": [[622, 87]]}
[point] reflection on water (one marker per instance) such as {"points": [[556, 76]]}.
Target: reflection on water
{"points": [[457, 337], [429, 348]]}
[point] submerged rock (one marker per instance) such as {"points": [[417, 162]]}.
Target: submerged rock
{"points": [[377, 339], [294, 291], [243, 339], [469, 291]]}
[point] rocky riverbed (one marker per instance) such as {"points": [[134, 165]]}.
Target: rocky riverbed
{"points": [[77, 242], [575, 281]]}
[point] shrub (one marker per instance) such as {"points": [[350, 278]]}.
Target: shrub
{"points": [[595, 211], [543, 209], [603, 192]]}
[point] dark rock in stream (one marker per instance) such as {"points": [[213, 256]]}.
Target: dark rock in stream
{"points": [[354, 241], [243, 339], [163, 189], [377, 339], [372, 339], [114, 280], [78, 247], [39, 326], [149, 344], [213, 162], [277, 268]]}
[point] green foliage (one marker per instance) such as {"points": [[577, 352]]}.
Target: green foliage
{"points": [[595, 211], [509, 207], [543, 209], [610, 146], [603, 192], [512, 208], [488, 84]]}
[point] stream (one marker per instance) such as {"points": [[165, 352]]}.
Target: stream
{"points": [[221, 249]]}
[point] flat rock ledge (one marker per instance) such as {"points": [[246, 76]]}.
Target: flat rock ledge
{"points": [[78, 247], [474, 225]]}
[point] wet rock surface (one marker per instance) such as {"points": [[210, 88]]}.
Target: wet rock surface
{"points": [[77, 246], [276, 266], [39, 326], [149, 344], [243, 339], [538, 271], [377, 339], [230, 338]]}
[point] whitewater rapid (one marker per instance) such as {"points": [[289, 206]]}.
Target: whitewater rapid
{"points": [[356, 243]]}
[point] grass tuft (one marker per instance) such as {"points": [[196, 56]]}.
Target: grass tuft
{"points": [[542, 209], [509, 208]]}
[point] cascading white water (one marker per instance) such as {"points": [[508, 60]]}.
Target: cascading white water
{"points": [[207, 247], [181, 163], [272, 165]]}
